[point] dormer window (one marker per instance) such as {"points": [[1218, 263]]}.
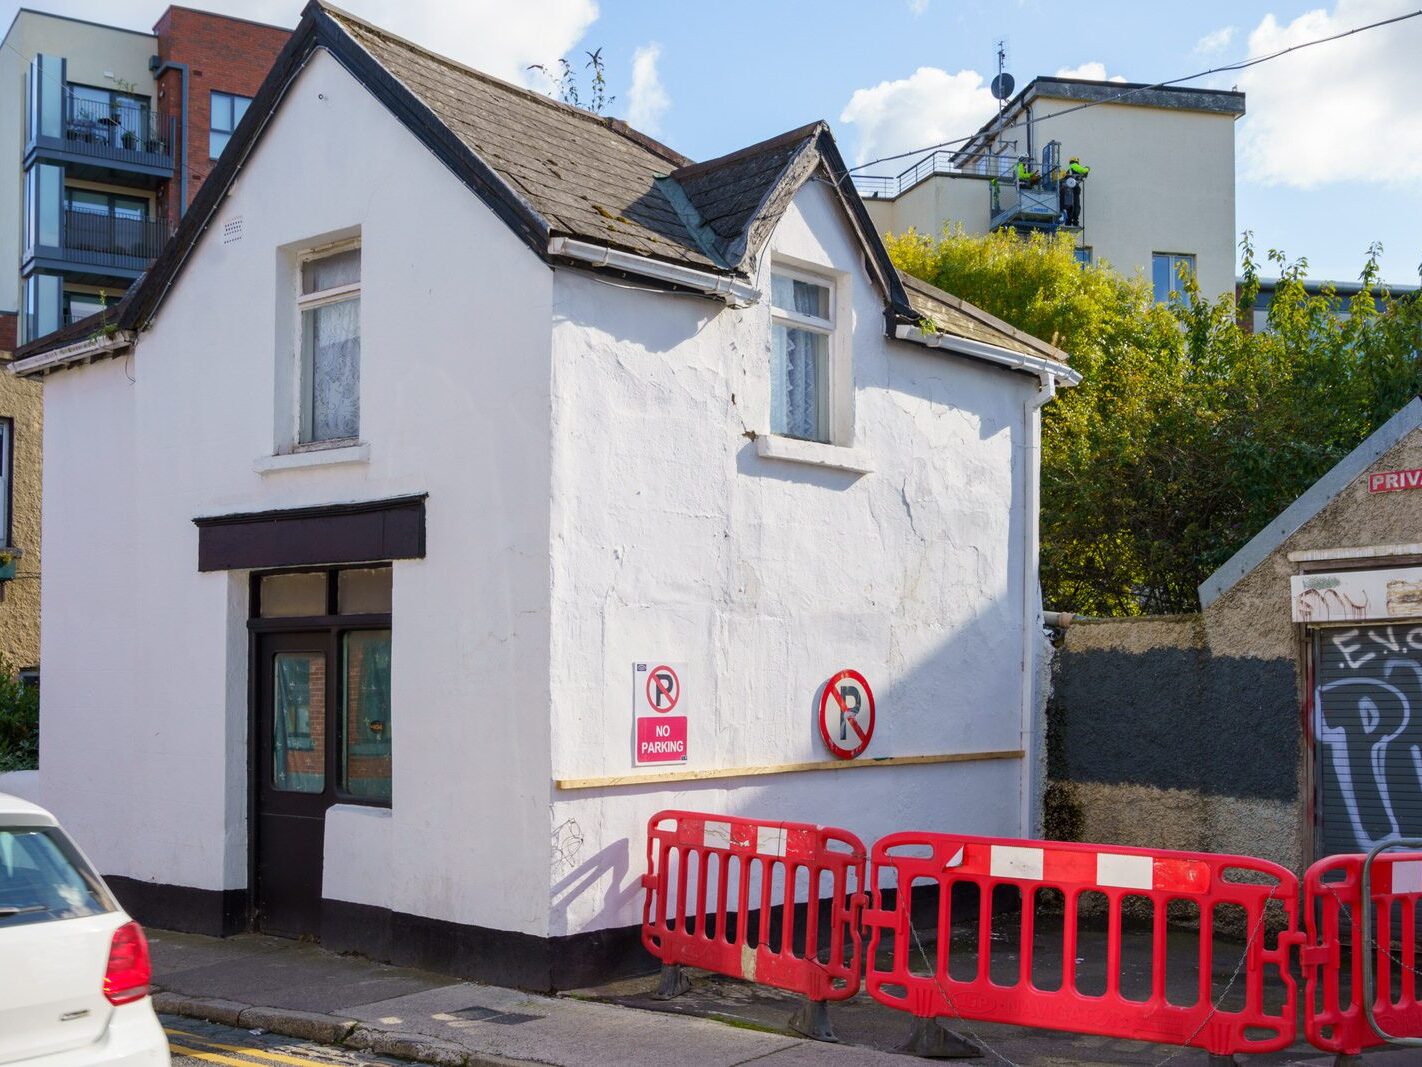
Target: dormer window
{"points": [[802, 316]]}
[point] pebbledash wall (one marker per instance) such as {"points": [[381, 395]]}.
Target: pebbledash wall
{"points": [[21, 405], [595, 497], [1198, 731]]}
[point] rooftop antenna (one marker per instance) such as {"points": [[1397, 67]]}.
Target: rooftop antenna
{"points": [[1003, 84]]}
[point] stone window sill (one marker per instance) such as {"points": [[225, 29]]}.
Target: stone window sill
{"points": [[814, 453], [313, 457]]}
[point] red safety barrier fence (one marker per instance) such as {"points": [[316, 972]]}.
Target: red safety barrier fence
{"points": [[772, 902], [1342, 946], [1000, 904]]}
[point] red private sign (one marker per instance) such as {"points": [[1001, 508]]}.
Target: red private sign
{"points": [[1392, 481], [847, 714]]}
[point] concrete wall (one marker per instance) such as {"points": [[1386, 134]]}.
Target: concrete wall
{"points": [[933, 205], [146, 709], [1162, 180], [1192, 731], [22, 403], [674, 539], [91, 51]]}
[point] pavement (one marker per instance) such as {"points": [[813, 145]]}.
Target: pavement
{"points": [[267, 985]]}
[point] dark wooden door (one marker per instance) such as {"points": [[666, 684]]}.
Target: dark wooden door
{"points": [[295, 726]]}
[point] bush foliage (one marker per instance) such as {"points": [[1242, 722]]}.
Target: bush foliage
{"points": [[1188, 432], [19, 722]]}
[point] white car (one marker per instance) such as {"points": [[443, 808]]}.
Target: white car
{"points": [[74, 969]]}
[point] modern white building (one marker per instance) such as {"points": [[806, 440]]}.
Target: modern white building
{"points": [[412, 446], [1160, 196]]}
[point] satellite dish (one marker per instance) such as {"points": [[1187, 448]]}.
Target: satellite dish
{"points": [[1002, 86]]}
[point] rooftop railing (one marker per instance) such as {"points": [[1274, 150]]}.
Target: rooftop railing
{"points": [[889, 186]]}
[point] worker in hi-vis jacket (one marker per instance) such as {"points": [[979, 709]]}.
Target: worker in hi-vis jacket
{"points": [[1072, 187]]}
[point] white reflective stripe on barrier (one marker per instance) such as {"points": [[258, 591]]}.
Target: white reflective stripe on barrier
{"points": [[716, 835], [1013, 861], [1125, 872]]}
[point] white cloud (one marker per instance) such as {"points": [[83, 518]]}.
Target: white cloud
{"points": [[918, 7], [647, 100], [1343, 111], [925, 108], [491, 35], [1215, 41], [1094, 71]]}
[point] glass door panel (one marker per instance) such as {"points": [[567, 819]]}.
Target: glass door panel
{"points": [[365, 747], [299, 722]]}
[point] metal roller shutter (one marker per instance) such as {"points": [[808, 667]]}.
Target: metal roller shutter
{"points": [[1368, 727]]}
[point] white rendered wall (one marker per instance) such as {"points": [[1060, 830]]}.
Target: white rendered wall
{"points": [[144, 719], [673, 539], [933, 205]]}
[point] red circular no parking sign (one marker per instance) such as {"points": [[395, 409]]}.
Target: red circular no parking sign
{"points": [[663, 689], [847, 714]]}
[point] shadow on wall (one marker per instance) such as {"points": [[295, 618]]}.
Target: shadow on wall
{"points": [[964, 696], [1173, 747]]}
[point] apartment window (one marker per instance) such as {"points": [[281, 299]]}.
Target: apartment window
{"points": [[802, 316], [79, 305], [7, 472], [1166, 269], [329, 309], [227, 111], [105, 116], [1083, 256]]}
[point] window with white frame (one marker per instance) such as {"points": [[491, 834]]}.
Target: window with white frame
{"points": [[802, 315], [329, 309]]}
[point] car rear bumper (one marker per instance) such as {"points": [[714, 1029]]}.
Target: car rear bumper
{"points": [[134, 1038]]}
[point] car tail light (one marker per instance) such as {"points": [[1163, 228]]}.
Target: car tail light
{"points": [[130, 967]]}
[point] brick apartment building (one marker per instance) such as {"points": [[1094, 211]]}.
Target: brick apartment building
{"points": [[111, 133]]}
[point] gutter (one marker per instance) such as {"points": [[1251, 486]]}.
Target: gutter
{"points": [[1044, 368], [79, 352], [734, 292]]}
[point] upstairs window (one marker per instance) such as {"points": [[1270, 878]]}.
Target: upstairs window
{"points": [[226, 112], [802, 316], [1166, 271], [329, 309]]}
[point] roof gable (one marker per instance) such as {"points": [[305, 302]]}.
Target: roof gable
{"points": [[547, 170], [1317, 497]]}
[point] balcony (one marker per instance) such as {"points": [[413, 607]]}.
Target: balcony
{"points": [[97, 246], [892, 186], [116, 141]]}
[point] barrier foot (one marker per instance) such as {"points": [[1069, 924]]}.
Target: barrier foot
{"points": [[932, 1041], [812, 1021], [1223, 1059], [1347, 1059], [674, 982]]}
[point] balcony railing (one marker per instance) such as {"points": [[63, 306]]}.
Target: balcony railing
{"points": [[100, 239], [888, 186], [117, 132]]}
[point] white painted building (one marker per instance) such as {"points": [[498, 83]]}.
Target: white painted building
{"points": [[449, 424]]}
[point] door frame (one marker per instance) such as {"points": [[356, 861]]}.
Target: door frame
{"points": [[334, 624]]}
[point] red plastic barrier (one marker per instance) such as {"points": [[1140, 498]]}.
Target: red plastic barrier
{"points": [[930, 989], [722, 895], [1333, 956]]}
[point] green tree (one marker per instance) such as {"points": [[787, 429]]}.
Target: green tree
{"points": [[19, 721], [1189, 431]]}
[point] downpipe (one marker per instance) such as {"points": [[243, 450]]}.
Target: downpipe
{"points": [[1031, 814]]}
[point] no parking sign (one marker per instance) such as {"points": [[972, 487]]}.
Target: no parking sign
{"points": [[659, 735], [847, 714]]}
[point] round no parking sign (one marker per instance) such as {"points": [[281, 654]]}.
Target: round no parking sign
{"points": [[847, 714]]}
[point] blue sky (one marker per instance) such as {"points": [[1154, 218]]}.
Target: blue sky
{"points": [[1329, 155]]}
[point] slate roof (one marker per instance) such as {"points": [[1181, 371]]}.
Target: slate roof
{"points": [[950, 314], [550, 170]]}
